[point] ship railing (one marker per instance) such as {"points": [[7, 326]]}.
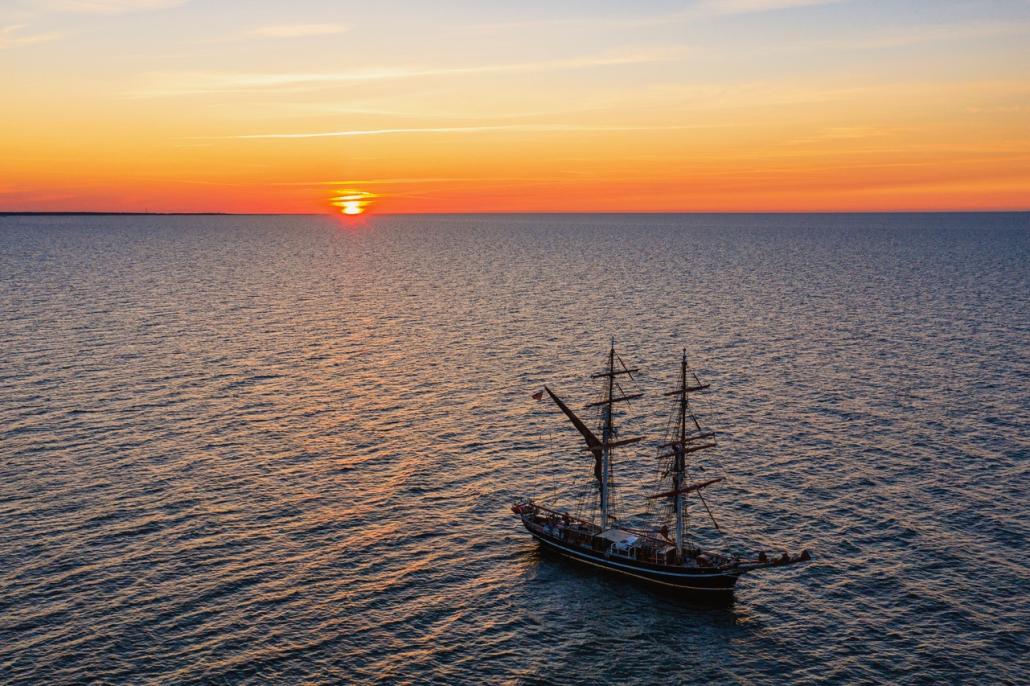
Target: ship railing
{"points": [[643, 533], [564, 516]]}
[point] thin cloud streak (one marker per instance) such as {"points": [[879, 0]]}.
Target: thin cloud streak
{"points": [[717, 7], [541, 128], [297, 30], [195, 83], [929, 33], [276, 109], [106, 6], [12, 36], [370, 132], [702, 10], [416, 180]]}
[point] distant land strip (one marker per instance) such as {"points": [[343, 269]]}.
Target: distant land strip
{"points": [[158, 214]]}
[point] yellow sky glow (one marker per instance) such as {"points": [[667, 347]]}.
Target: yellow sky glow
{"points": [[771, 105]]}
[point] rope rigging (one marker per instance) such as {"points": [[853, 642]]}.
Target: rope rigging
{"points": [[602, 493]]}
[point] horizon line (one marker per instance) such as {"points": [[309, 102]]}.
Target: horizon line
{"points": [[29, 213]]}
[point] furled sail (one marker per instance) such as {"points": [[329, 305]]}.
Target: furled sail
{"points": [[593, 443]]}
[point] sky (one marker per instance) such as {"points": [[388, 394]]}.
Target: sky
{"points": [[481, 106]]}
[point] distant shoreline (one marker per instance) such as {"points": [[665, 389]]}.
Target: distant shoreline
{"points": [[109, 214]]}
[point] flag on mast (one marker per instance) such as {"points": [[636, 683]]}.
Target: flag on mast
{"points": [[538, 395]]}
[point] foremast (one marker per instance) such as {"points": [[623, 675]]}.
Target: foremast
{"points": [[690, 437], [608, 428], [602, 448]]}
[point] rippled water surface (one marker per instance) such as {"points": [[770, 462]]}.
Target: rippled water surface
{"points": [[282, 449]]}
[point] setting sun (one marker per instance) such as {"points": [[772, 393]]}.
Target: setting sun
{"points": [[352, 202]]}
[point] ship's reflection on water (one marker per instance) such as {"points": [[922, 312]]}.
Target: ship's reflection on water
{"points": [[267, 450]]}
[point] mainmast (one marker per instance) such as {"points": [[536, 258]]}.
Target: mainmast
{"points": [[684, 444], [680, 468], [609, 429], [606, 437]]}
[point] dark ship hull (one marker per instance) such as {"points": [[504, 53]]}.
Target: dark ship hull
{"points": [[709, 581]]}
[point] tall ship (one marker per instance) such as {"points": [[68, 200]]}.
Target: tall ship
{"points": [[660, 553]]}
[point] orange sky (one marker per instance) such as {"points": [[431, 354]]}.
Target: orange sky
{"points": [[714, 105]]}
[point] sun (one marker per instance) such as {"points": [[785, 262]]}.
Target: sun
{"points": [[352, 202]]}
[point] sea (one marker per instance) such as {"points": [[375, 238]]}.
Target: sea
{"points": [[284, 449]]}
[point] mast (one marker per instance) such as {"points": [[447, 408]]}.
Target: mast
{"points": [[606, 455], [682, 445], [680, 468], [602, 449], [608, 427]]}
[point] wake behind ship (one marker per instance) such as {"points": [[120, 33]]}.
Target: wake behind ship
{"points": [[649, 554]]}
